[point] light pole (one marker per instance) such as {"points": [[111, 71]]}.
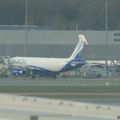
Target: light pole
{"points": [[106, 22], [76, 27], [106, 30], [26, 28]]}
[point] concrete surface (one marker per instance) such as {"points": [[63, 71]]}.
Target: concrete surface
{"points": [[13, 107]]}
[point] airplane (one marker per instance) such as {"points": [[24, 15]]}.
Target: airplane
{"points": [[50, 67]]}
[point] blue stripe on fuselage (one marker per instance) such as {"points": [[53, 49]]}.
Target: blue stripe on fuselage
{"points": [[41, 71], [75, 63]]}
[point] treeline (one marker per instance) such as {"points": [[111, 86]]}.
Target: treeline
{"points": [[61, 14]]}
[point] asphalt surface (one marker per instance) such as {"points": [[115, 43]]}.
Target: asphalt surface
{"points": [[14, 107]]}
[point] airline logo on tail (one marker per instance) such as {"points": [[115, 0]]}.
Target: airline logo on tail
{"points": [[82, 42], [75, 60], [82, 38]]}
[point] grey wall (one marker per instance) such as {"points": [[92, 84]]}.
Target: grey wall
{"points": [[59, 43]]}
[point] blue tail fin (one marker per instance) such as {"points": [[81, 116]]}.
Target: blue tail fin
{"points": [[81, 43]]}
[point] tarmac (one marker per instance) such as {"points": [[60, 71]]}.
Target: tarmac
{"points": [[14, 107]]}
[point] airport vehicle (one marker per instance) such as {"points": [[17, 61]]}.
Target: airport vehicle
{"points": [[50, 66], [93, 70]]}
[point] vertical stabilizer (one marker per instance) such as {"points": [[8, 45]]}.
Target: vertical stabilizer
{"points": [[81, 43]]}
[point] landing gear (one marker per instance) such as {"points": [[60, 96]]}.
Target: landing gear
{"points": [[30, 73], [33, 73]]}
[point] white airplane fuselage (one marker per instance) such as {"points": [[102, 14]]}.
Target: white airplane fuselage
{"points": [[50, 66]]}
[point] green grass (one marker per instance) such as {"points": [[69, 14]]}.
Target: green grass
{"points": [[59, 89]]}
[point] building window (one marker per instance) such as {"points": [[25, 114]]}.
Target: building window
{"points": [[116, 34], [117, 40]]}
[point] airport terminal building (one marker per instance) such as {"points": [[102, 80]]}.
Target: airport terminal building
{"points": [[59, 43]]}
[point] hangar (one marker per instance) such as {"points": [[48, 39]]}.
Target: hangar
{"points": [[59, 43]]}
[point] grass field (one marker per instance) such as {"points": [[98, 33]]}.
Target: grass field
{"points": [[59, 89], [68, 88]]}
